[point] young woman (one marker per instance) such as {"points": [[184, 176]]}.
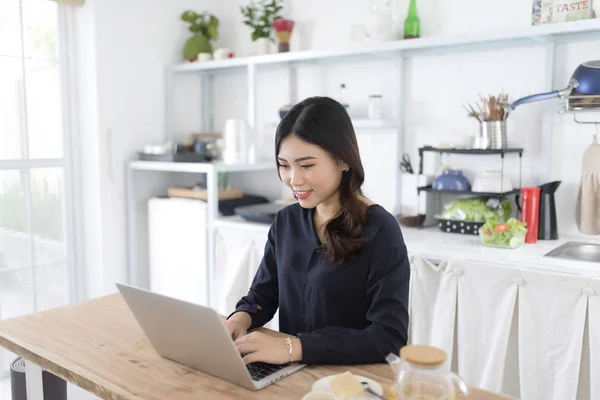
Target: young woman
{"points": [[335, 263]]}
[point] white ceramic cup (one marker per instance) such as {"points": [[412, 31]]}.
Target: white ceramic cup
{"points": [[205, 57], [222, 53]]}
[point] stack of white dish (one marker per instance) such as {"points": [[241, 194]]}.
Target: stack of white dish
{"points": [[491, 182]]}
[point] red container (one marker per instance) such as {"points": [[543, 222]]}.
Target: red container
{"points": [[530, 209]]}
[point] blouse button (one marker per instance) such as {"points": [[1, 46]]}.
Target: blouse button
{"points": [[303, 317], [304, 282]]}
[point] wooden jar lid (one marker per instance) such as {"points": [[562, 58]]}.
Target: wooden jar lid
{"points": [[423, 355]]}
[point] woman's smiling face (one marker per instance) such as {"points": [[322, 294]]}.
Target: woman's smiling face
{"points": [[311, 172]]}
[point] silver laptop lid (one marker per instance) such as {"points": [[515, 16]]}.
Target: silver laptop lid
{"points": [[187, 333]]}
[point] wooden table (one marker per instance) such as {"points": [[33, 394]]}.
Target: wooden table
{"points": [[99, 346]]}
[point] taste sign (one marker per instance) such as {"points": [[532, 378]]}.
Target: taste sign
{"points": [[564, 11]]}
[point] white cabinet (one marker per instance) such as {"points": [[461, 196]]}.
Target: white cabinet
{"points": [[239, 252], [177, 248]]}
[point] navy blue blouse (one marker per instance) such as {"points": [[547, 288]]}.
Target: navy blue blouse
{"points": [[351, 313]]}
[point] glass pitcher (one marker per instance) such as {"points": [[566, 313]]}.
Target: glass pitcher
{"points": [[419, 374]]}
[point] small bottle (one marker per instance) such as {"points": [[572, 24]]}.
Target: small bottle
{"points": [[412, 24], [342, 96]]}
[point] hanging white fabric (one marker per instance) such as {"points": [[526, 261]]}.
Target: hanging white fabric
{"points": [[587, 214], [76, 3], [231, 268], [593, 293], [552, 310], [259, 239], [485, 308], [236, 281], [433, 305]]}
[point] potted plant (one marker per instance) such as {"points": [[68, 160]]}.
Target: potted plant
{"points": [[205, 28], [259, 16]]}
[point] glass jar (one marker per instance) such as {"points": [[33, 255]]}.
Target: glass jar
{"points": [[381, 26], [419, 374]]}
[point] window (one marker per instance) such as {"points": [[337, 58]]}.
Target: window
{"points": [[36, 268]]}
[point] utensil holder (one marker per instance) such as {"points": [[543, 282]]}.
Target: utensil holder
{"points": [[495, 132]]}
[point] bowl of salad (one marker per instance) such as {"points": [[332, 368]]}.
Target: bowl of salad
{"points": [[509, 234]]}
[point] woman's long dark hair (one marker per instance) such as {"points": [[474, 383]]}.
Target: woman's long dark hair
{"points": [[324, 122]]}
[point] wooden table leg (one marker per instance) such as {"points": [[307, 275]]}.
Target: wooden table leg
{"points": [[33, 380]]}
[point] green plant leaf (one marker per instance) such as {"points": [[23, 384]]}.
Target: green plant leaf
{"points": [[212, 32], [204, 30], [190, 16], [196, 28], [214, 21], [255, 35]]}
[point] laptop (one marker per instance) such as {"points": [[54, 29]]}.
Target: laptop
{"points": [[196, 336]]}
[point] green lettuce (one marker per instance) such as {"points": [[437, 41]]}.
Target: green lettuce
{"points": [[477, 210]]}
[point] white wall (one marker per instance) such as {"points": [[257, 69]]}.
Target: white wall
{"points": [[122, 48], [127, 44]]}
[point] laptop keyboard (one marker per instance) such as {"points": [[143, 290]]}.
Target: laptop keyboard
{"points": [[259, 370]]}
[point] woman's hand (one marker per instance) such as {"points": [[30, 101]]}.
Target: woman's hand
{"points": [[262, 347], [238, 324]]}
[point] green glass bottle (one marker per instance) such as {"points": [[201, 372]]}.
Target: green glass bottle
{"points": [[412, 25]]}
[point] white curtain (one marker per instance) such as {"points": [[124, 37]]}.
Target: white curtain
{"points": [[433, 304], [593, 293], [239, 253], [77, 3], [552, 310], [486, 303], [235, 284]]}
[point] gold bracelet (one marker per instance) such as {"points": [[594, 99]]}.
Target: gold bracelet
{"points": [[288, 343]]}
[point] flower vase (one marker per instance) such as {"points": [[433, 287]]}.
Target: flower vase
{"points": [[263, 45]]}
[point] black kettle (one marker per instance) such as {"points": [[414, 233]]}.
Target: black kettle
{"points": [[547, 225]]}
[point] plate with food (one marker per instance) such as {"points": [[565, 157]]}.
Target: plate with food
{"points": [[348, 386]]}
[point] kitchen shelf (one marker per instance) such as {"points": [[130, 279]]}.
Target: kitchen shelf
{"points": [[237, 222], [500, 152], [207, 167], [530, 35], [372, 123], [469, 151], [429, 188]]}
